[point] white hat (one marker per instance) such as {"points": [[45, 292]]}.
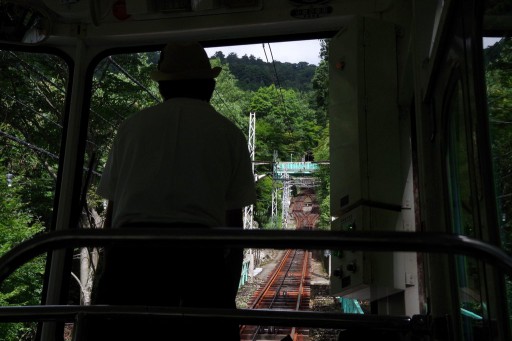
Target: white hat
{"points": [[184, 60]]}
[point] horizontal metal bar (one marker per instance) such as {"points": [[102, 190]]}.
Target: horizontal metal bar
{"points": [[290, 318], [277, 239]]}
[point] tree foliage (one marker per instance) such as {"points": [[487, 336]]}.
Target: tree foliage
{"points": [[229, 99], [253, 73], [322, 150], [32, 112], [23, 287], [285, 123], [499, 94]]}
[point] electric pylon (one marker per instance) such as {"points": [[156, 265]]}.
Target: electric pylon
{"points": [[249, 210]]}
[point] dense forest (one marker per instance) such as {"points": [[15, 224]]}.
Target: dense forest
{"points": [[498, 65], [253, 73], [290, 102]]}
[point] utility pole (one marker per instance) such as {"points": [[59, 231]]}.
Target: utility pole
{"points": [[285, 206], [275, 189], [249, 210], [273, 217]]}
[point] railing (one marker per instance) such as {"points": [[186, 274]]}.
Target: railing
{"points": [[244, 277], [281, 239], [281, 168]]}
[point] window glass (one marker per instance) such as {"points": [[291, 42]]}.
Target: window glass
{"points": [[462, 210], [31, 115], [120, 87], [290, 125], [498, 75], [458, 167]]}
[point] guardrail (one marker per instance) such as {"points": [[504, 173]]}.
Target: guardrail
{"points": [[277, 239], [224, 237]]}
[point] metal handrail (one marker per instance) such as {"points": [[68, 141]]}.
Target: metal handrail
{"points": [[225, 237], [277, 239], [68, 313]]}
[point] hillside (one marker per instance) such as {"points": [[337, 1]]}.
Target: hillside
{"points": [[253, 73]]}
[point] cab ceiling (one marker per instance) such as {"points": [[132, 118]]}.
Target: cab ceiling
{"points": [[122, 22]]}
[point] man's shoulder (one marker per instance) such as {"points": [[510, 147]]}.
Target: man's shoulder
{"points": [[143, 114]]}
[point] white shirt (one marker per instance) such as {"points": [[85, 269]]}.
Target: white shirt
{"points": [[179, 161]]}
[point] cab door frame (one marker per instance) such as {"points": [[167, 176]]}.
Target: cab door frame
{"points": [[451, 63]]}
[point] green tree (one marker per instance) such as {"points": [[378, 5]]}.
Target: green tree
{"points": [[320, 84], [321, 152], [24, 286], [285, 123], [499, 94], [32, 107], [229, 99], [253, 73], [263, 207]]}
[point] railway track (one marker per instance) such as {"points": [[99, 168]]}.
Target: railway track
{"points": [[287, 288]]}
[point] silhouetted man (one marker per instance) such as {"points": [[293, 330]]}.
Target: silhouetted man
{"points": [[179, 164]]}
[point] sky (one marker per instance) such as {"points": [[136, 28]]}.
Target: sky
{"points": [[292, 52], [490, 41]]}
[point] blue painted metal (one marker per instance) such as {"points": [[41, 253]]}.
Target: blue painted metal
{"points": [[295, 167], [471, 314], [245, 273], [350, 306]]}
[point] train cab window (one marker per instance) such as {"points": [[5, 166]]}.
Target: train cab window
{"points": [[120, 87], [32, 110], [458, 167], [287, 122], [282, 105], [498, 75], [462, 207]]}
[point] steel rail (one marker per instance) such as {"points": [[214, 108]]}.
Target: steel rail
{"points": [[266, 288], [264, 293], [278, 239], [293, 333]]}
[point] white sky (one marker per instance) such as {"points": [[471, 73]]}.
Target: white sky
{"points": [[490, 41], [292, 52]]}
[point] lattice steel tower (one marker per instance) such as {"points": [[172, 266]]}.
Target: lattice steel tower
{"points": [[249, 210]]}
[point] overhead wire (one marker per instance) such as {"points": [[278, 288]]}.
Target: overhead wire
{"points": [[133, 79], [33, 110], [28, 144], [34, 147], [277, 77], [492, 120], [217, 93], [59, 88], [226, 105], [41, 115], [278, 85]]}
